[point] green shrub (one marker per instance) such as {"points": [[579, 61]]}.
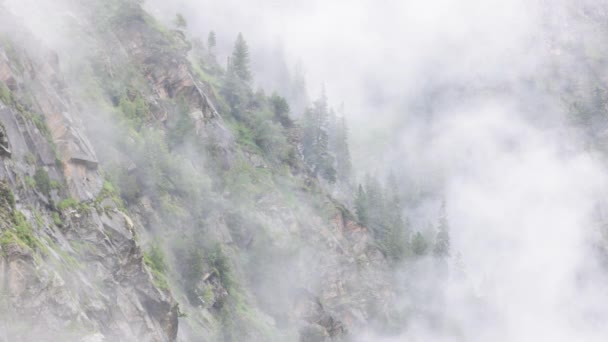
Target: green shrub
{"points": [[6, 195], [133, 110], [220, 263], [5, 94], [154, 258], [56, 219], [43, 182], [30, 182], [23, 231], [67, 203]]}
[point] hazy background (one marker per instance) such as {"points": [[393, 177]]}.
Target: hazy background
{"points": [[379, 59], [456, 97]]}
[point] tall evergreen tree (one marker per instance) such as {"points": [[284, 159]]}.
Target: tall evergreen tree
{"points": [[361, 206], [419, 244], [442, 241], [180, 21], [298, 92], [398, 233], [211, 41], [281, 110], [315, 140], [240, 59], [236, 93], [342, 151], [376, 207]]}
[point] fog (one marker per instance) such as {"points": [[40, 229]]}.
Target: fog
{"points": [[459, 99], [441, 91]]}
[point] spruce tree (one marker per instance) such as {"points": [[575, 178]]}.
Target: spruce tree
{"points": [[442, 241], [315, 140], [180, 21], [298, 93], [211, 41], [398, 234], [361, 206], [281, 110], [376, 207], [419, 244], [342, 152], [240, 59]]}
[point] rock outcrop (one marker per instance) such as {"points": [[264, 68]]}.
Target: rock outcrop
{"points": [[70, 267]]}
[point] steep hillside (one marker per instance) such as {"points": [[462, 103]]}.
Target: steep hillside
{"points": [[150, 195]]}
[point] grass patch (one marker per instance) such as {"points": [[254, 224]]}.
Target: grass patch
{"points": [[154, 258], [57, 219], [21, 234], [67, 203]]}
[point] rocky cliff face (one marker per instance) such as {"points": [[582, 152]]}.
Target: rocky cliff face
{"points": [[71, 265], [85, 257]]}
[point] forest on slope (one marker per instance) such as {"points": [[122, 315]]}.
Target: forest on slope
{"points": [[166, 175]]}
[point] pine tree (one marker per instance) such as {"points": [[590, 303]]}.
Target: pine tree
{"points": [[442, 241], [419, 244], [180, 21], [342, 151], [211, 41], [240, 59], [298, 92], [361, 206], [376, 207], [281, 110], [315, 140], [398, 234], [236, 93]]}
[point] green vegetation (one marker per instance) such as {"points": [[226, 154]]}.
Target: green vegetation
{"points": [[211, 41], [134, 109], [442, 241], [109, 191], [380, 209], [6, 196], [5, 94], [30, 158], [56, 219], [21, 234], [43, 182], [246, 182], [180, 21], [154, 258], [219, 262], [30, 182], [239, 64], [419, 244], [68, 203], [10, 99]]}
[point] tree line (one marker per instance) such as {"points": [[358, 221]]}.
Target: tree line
{"points": [[324, 148]]}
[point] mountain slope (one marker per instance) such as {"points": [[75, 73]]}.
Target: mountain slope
{"points": [[131, 185]]}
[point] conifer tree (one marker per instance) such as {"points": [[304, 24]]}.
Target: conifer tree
{"points": [[298, 93], [398, 234], [180, 21], [419, 244], [361, 206], [211, 41], [240, 59], [376, 207], [442, 241], [281, 110], [315, 140], [236, 93], [342, 151]]}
